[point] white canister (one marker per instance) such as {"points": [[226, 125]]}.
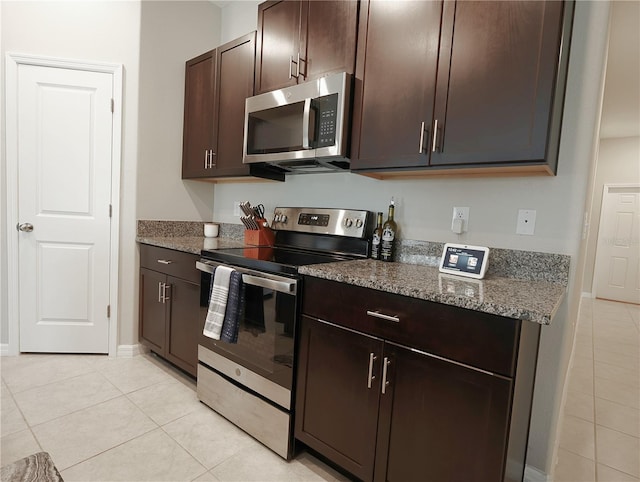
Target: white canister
{"points": [[211, 230]]}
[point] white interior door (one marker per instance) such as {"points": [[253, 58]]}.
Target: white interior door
{"points": [[617, 270], [64, 132]]}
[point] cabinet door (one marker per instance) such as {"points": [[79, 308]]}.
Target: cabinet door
{"points": [[395, 83], [152, 325], [336, 407], [495, 85], [235, 83], [183, 324], [198, 142], [278, 44], [440, 420], [328, 42]]}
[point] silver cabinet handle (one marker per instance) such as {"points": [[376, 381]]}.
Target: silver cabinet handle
{"points": [[24, 227], [435, 135], [290, 67], [165, 287], [165, 261], [159, 291], [421, 138], [385, 382], [377, 314], [206, 160], [298, 67], [211, 163], [371, 376]]}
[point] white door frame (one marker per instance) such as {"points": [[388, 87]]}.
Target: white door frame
{"points": [[605, 190], [12, 61]]}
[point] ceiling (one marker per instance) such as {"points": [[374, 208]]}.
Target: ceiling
{"points": [[621, 105]]}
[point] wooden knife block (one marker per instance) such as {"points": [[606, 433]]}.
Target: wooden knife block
{"points": [[260, 237]]}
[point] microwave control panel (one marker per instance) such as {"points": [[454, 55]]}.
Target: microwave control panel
{"points": [[326, 114]]}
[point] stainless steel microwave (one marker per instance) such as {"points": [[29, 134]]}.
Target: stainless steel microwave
{"points": [[303, 128]]}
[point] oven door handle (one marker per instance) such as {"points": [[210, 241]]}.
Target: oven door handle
{"points": [[275, 283]]}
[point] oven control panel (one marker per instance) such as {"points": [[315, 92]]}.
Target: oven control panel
{"points": [[338, 222]]}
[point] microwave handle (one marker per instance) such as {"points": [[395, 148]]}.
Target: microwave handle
{"points": [[305, 124]]}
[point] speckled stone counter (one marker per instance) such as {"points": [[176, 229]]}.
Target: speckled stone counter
{"points": [[528, 300], [187, 235], [190, 244]]}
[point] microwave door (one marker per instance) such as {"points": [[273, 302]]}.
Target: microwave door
{"points": [[280, 133]]}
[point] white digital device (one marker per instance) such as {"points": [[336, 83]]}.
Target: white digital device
{"points": [[464, 260]]}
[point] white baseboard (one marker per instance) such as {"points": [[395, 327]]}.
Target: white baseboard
{"points": [[531, 474], [129, 351], [4, 349]]}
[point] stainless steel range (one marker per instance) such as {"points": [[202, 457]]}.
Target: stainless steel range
{"points": [[251, 382]]}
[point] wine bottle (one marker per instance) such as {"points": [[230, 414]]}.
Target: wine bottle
{"points": [[389, 230], [377, 238]]}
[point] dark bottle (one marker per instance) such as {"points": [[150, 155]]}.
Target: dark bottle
{"points": [[377, 238], [389, 230]]}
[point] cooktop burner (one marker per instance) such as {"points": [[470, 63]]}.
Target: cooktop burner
{"points": [[277, 260]]}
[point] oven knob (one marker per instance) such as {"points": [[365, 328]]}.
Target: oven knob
{"points": [[359, 223], [283, 218], [276, 218], [348, 222]]}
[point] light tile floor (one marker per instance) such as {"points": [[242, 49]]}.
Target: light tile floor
{"points": [[600, 433], [129, 419], [138, 419]]}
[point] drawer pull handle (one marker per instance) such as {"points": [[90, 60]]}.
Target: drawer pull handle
{"points": [[371, 377], [165, 261], [385, 382], [377, 314]]}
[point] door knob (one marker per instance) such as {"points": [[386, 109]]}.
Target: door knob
{"points": [[26, 227]]}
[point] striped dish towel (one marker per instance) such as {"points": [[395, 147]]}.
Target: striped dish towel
{"points": [[234, 309], [217, 302]]}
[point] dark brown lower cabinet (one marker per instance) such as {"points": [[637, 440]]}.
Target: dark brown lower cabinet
{"points": [[384, 407], [339, 417], [169, 312], [440, 420]]}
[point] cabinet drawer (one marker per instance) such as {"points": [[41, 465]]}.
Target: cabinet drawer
{"points": [[477, 339], [174, 263]]}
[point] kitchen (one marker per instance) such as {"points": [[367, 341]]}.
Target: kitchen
{"points": [[152, 148]]}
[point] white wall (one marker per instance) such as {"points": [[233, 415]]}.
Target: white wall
{"points": [[171, 33], [425, 208], [101, 31], [239, 17], [618, 163]]}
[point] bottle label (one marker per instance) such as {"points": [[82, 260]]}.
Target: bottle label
{"points": [[387, 245], [375, 246]]}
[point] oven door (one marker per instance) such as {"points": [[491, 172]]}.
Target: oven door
{"points": [[267, 325]]}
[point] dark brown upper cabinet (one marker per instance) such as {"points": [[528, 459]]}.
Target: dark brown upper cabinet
{"points": [[459, 85], [198, 137], [303, 40], [216, 86]]}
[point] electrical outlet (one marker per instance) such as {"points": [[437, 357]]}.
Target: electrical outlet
{"points": [[460, 220], [236, 208], [526, 222]]}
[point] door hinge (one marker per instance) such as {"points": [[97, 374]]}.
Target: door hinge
{"points": [[113, 106], [110, 210], [108, 311]]}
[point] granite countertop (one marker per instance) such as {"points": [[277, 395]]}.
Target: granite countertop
{"points": [[535, 301], [190, 244], [502, 292]]}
